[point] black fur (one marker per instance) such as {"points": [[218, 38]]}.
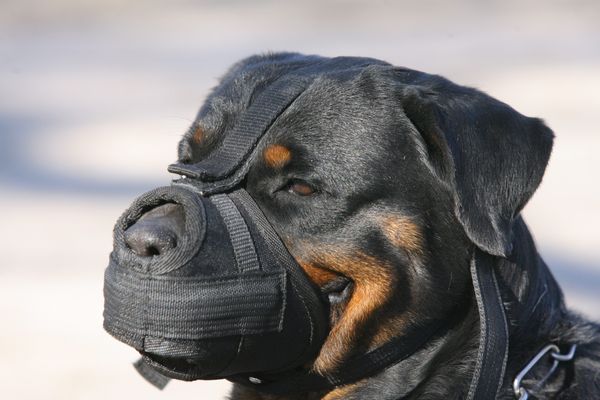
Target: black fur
{"points": [[374, 140]]}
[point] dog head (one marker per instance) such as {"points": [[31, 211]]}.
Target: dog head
{"points": [[379, 180]]}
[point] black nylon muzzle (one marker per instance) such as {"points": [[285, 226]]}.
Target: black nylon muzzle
{"points": [[228, 300]]}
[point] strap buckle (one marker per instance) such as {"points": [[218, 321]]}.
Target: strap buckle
{"points": [[522, 393]]}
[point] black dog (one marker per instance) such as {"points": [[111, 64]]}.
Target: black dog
{"points": [[382, 181]]}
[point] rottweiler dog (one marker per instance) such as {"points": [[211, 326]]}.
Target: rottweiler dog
{"points": [[381, 181]]}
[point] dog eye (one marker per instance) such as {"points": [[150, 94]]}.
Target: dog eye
{"points": [[299, 187]]}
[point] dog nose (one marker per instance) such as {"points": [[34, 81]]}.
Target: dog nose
{"points": [[157, 231]]}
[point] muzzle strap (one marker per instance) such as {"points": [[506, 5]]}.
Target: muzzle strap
{"points": [[153, 377], [241, 240], [297, 277]]}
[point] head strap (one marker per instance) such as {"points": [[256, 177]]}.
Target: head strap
{"points": [[227, 165]]}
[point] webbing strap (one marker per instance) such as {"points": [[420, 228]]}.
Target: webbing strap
{"points": [[492, 355], [297, 278], [237, 145], [241, 241], [194, 308], [154, 377], [357, 368]]}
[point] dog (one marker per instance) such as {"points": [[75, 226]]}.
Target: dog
{"points": [[382, 181]]}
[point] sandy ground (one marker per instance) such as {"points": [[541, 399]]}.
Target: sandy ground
{"points": [[94, 95]]}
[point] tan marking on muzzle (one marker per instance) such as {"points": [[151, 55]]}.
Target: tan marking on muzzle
{"points": [[277, 156], [373, 280]]}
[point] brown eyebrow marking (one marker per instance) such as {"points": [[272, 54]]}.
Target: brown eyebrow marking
{"points": [[198, 134], [403, 232], [277, 155], [374, 282]]}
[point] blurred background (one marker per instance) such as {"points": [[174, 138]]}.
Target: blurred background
{"points": [[95, 94]]}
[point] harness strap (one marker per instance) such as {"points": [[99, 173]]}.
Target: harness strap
{"points": [[492, 355]]}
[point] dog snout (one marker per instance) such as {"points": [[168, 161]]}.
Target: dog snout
{"points": [[157, 231]]}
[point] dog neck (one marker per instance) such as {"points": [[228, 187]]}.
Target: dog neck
{"points": [[534, 307], [535, 310]]}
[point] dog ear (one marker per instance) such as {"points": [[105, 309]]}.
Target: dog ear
{"points": [[491, 157]]}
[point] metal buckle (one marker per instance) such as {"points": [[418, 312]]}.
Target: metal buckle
{"points": [[520, 392]]}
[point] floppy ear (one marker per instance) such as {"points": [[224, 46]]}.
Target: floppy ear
{"points": [[491, 157]]}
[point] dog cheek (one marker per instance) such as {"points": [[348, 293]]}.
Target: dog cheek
{"points": [[373, 281]]}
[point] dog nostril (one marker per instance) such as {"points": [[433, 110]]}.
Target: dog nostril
{"points": [[148, 239], [153, 251], [157, 231]]}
